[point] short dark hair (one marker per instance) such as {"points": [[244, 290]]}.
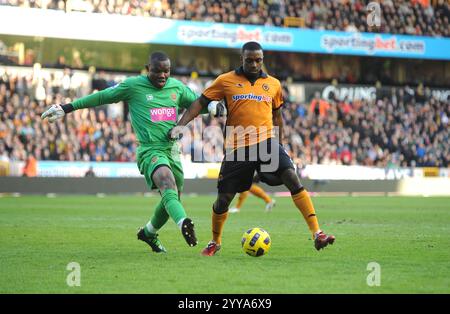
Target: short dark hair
{"points": [[157, 56], [252, 46]]}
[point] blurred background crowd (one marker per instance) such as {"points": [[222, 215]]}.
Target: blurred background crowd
{"points": [[413, 17], [402, 128], [406, 126]]}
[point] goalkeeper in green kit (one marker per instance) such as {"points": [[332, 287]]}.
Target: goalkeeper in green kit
{"points": [[154, 101]]}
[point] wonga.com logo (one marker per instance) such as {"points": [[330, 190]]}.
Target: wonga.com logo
{"points": [[163, 114]]}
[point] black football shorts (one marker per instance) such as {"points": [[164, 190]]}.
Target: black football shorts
{"points": [[268, 158]]}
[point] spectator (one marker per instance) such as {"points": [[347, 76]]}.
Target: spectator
{"points": [[90, 172], [319, 106], [30, 168], [60, 62], [405, 127]]}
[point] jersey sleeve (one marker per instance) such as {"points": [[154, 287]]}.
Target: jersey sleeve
{"points": [[215, 91], [116, 93], [187, 97], [277, 101]]}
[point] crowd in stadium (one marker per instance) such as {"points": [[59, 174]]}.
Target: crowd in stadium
{"points": [[415, 17], [400, 129], [85, 135]]}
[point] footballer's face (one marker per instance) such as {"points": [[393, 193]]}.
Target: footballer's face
{"points": [[252, 61], [159, 72]]}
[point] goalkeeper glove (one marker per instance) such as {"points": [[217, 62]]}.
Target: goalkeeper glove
{"points": [[175, 133], [56, 112], [217, 108]]}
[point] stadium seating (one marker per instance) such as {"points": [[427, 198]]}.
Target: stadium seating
{"points": [[397, 129], [430, 18], [400, 129]]}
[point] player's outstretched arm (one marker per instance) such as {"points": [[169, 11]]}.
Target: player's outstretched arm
{"points": [[56, 112], [215, 108], [193, 111], [107, 96]]}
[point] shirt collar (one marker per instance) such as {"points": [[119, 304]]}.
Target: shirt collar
{"points": [[240, 71]]}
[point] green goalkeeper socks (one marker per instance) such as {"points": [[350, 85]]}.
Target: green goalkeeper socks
{"points": [[157, 221], [173, 206], [169, 206], [160, 216]]}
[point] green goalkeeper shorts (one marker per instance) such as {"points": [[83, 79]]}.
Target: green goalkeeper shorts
{"points": [[150, 159]]}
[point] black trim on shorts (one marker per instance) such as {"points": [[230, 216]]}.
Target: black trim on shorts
{"points": [[298, 191], [238, 176], [156, 168]]}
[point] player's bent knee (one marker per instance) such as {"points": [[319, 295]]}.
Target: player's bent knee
{"points": [[220, 207], [164, 179], [222, 203], [166, 184], [291, 181]]}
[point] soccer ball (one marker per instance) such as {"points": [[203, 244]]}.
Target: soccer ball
{"points": [[256, 242]]}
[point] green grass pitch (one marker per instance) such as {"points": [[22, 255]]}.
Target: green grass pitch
{"points": [[408, 237]]}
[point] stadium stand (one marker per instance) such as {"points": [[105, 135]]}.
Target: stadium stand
{"points": [[396, 129], [400, 129], [417, 17]]}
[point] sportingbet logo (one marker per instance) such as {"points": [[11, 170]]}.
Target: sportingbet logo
{"points": [[231, 35], [371, 44], [251, 96], [163, 114]]}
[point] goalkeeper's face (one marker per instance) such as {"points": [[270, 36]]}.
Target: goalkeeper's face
{"points": [[159, 72]]}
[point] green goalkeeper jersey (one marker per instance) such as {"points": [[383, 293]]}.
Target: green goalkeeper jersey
{"points": [[153, 111]]}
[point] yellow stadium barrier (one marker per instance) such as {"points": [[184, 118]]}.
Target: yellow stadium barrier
{"points": [[290, 21], [4, 168], [431, 172], [212, 173]]}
